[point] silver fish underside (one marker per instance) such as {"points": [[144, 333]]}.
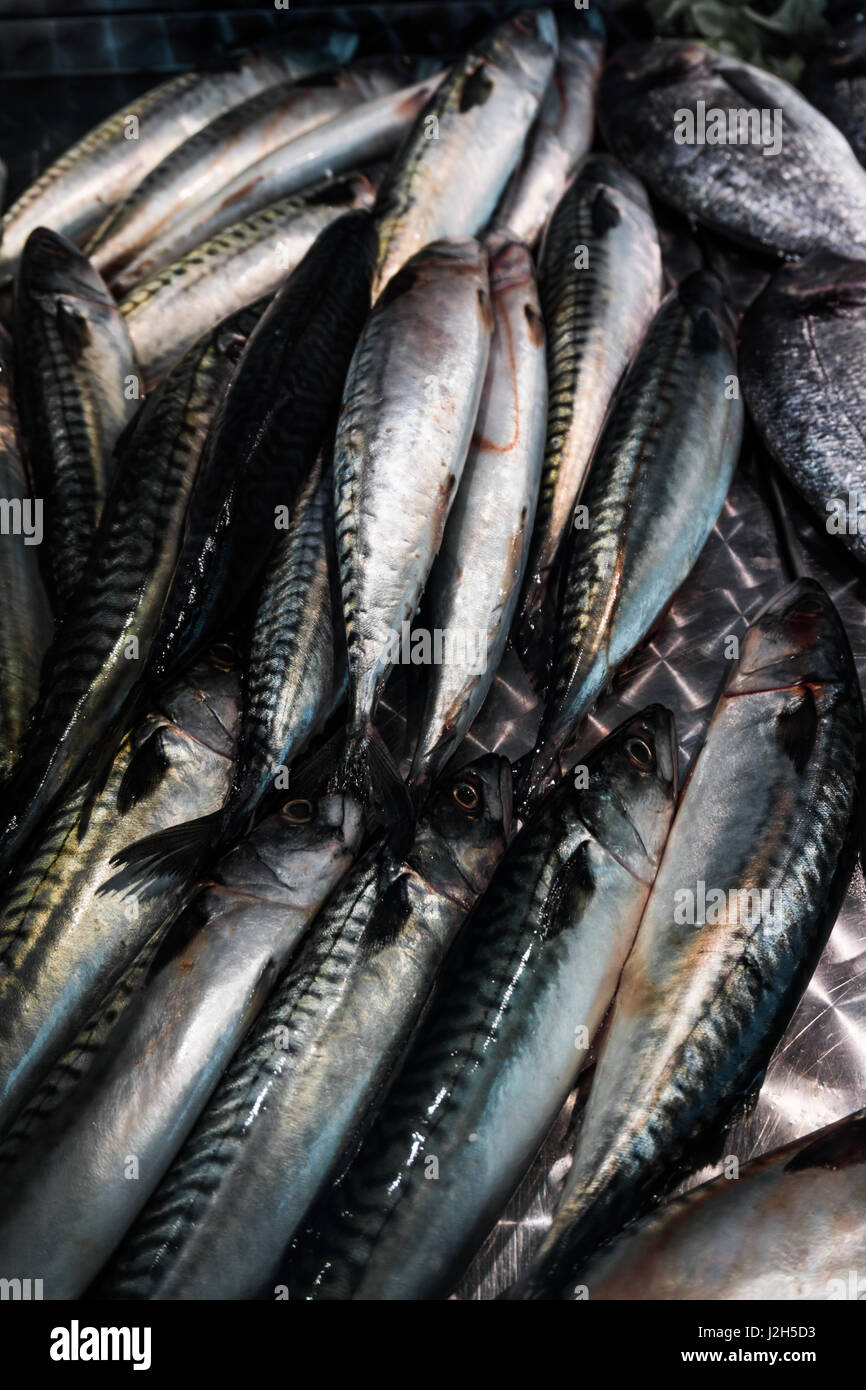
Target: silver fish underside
{"points": [[172, 1045], [790, 1227], [711, 982], [560, 138], [247, 262], [803, 361], [63, 944], [450, 173], [504, 1043], [75, 193], [476, 578]]}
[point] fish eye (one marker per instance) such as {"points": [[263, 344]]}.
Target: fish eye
{"points": [[223, 656], [640, 754], [466, 795], [298, 812]]}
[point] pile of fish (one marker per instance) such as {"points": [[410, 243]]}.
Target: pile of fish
{"points": [[340, 401]]}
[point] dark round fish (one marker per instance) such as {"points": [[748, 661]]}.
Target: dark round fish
{"points": [[835, 80]]}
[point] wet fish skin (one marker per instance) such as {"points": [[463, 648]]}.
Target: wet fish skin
{"points": [[75, 370], [412, 392], [139, 237], [488, 528], [449, 186], [498, 1054], [247, 262], [25, 616], [561, 137], [835, 82], [772, 803], [596, 317], [90, 667], [809, 196], [790, 1227], [266, 437], [313, 1069], [658, 479], [364, 134], [803, 346], [172, 1045], [63, 945], [73, 195]]}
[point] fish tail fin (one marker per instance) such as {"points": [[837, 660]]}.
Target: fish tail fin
{"points": [[170, 858], [368, 770]]}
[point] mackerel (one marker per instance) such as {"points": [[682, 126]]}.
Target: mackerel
{"points": [[466, 141], [75, 193], [504, 1043], [657, 483], [487, 535], [78, 389], [313, 1070], [600, 276], [766, 832]]}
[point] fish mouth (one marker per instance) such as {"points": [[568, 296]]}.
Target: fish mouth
{"points": [[660, 63]]}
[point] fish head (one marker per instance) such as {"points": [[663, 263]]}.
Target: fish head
{"points": [[307, 845], [797, 640], [632, 782], [824, 285], [465, 828], [528, 43], [638, 67], [58, 278]]}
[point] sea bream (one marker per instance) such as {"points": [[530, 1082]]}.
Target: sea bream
{"points": [[507, 1035], [755, 867], [196, 169], [75, 193], [248, 261], [172, 1044], [64, 944], [790, 1227], [600, 278], [454, 164], [78, 388], [314, 1068], [734, 147], [474, 583], [803, 356], [559, 140], [656, 485], [409, 408]]}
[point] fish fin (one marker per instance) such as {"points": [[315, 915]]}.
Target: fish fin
{"points": [[390, 913], [73, 328], [144, 772], [605, 213], [179, 853], [369, 771], [571, 889]]}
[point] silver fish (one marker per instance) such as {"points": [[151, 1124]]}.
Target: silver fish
{"points": [[782, 180], [803, 356], [560, 138], [214, 157], [506, 1039], [790, 1227], [412, 393], [599, 277], [314, 1067], [78, 389], [174, 1042], [754, 870], [474, 584], [454, 164], [75, 193], [247, 262], [63, 944], [657, 483], [362, 135], [25, 617]]}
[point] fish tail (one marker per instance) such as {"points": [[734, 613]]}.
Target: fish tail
{"points": [[368, 770]]}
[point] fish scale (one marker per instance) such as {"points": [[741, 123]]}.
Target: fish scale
{"points": [[595, 317]]}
